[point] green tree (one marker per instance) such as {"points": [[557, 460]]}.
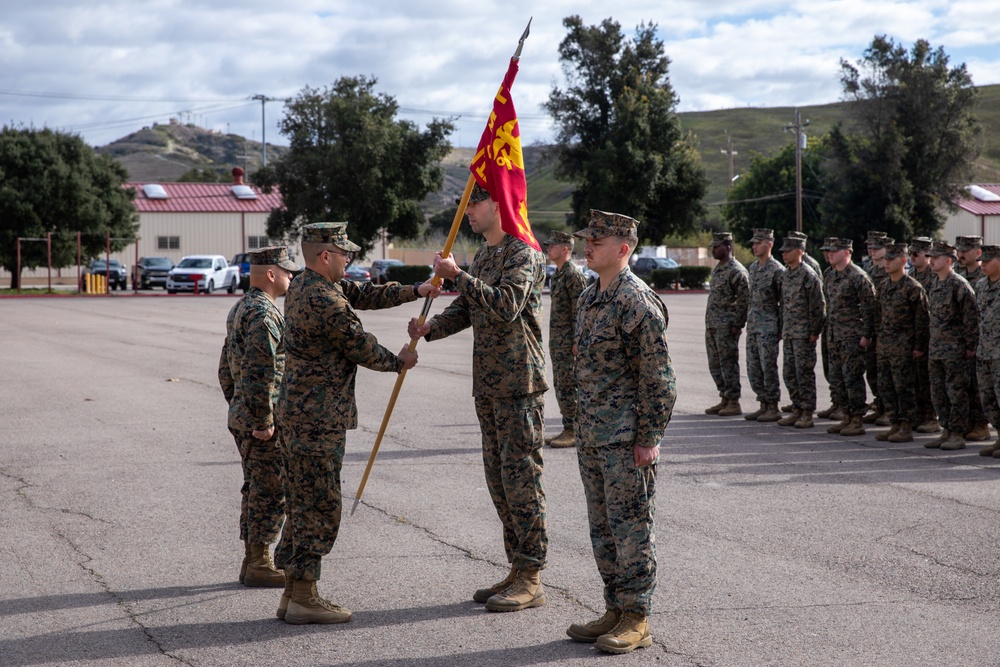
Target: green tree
{"points": [[764, 195], [350, 159], [619, 137], [54, 182], [919, 136]]}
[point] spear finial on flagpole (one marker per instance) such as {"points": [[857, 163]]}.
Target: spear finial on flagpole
{"points": [[456, 223]]}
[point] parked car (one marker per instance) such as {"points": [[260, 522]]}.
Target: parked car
{"points": [[151, 272], [644, 266], [208, 272], [380, 267], [359, 274], [117, 276], [242, 260]]}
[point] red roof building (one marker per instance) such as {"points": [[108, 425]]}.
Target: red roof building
{"points": [[978, 215]]}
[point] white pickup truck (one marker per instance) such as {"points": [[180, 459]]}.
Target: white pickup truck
{"points": [[207, 272]]}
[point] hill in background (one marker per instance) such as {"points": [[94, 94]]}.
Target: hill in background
{"points": [[164, 152]]}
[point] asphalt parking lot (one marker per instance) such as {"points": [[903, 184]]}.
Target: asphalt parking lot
{"points": [[777, 546]]}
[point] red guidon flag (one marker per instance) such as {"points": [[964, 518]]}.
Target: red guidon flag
{"points": [[499, 164]]}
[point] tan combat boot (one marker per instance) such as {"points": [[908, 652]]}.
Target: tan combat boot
{"points": [[790, 419], [930, 424], [827, 414], [484, 594], [979, 433], [887, 434], [286, 595], [306, 606], [732, 408], [873, 416], [714, 410], [805, 421], [632, 632], [589, 632], [854, 427], [563, 440], [989, 451], [526, 591], [246, 561], [772, 414], [886, 419], [261, 572], [787, 408], [904, 434], [752, 416], [954, 441], [839, 415], [839, 426], [940, 440]]}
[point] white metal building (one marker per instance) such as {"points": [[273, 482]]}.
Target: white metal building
{"points": [[978, 215]]}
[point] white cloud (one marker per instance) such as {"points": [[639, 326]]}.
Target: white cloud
{"points": [[445, 56]]}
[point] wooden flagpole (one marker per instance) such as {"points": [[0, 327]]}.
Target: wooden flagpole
{"points": [[445, 252]]}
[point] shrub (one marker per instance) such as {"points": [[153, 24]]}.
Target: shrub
{"points": [[664, 278], [408, 273], [694, 277]]}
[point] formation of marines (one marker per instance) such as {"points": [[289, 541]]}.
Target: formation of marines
{"points": [[289, 381], [925, 336]]}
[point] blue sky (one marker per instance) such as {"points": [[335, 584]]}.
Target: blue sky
{"points": [[106, 69]]}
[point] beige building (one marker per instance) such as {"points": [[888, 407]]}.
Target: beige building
{"points": [[978, 215]]}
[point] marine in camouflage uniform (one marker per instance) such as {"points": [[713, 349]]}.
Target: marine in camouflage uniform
{"points": [[500, 297], [969, 250], [764, 326], [850, 298], [725, 317], [876, 244], [626, 396], [988, 352], [926, 416], [251, 366], [808, 260], [803, 316], [325, 343], [954, 336], [567, 284], [901, 321]]}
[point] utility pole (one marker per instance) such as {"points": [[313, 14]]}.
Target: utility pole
{"points": [[800, 140], [264, 99], [730, 152]]}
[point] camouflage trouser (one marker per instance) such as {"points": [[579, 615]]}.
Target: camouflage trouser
{"points": [[799, 371], [564, 379], [847, 377], [724, 361], [976, 413], [513, 434], [314, 501], [925, 406], [897, 376], [262, 508], [950, 392], [762, 366], [872, 369], [988, 374], [621, 502]]}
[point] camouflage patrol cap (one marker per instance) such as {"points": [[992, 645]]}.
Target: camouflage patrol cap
{"points": [[718, 238], [876, 234], [555, 238], [894, 250], [942, 248], [604, 224], [479, 193], [793, 243], [965, 243], [334, 233], [879, 241], [990, 252], [274, 256], [798, 235], [921, 243], [762, 235], [834, 244]]}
